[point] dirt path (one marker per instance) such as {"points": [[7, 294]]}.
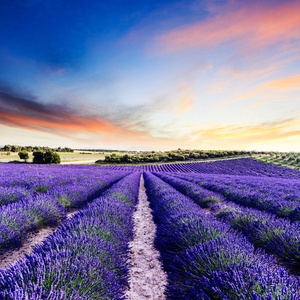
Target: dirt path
{"points": [[79, 162], [32, 239], [147, 279]]}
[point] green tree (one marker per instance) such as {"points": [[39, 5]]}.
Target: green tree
{"points": [[46, 157], [51, 157], [23, 155], [15, 148], [38, 157], [125, 158], [7, 148]]}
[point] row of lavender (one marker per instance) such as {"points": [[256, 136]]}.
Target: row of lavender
{"points": [[205, 258], [23, 175], [241, 166], [23, 213], [86, 258], [18, 182], [277, 196], [13, 194], [280, 188], [277, 236]]}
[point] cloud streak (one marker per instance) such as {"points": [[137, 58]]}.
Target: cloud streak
{"points": [[271, 88], [267, 131], [21, 111], [250, 27], [186, 101]]}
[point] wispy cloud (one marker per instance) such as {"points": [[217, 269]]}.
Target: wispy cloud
{"points": [[186, 100], [261, 103], [270, 88], [60, 71], [248, 27], [21, 111], [291, 83], [252, 134]]}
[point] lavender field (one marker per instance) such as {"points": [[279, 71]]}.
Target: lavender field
{"points": [[224, 230]]}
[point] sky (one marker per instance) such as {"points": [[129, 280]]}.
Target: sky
{"points": [[150, 75]]}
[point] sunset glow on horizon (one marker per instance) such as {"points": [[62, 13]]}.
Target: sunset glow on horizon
{"points": [[151, 75]]}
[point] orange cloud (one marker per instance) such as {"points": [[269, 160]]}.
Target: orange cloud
{"points": [[19, 111], [253, 73], [291, 83], [261, 103], [268, 131], [186, 101], [252, 26], [272, 87], [70, 123]]}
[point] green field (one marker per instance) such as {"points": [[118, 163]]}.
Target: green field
{"points": [[65, 156], [91, 157], [289, 159]]}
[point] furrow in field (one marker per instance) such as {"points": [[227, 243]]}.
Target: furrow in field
{"points": [[31, 240], [277, 236], [235, 166], [206, 259], [86, 258], [273, 203], [19, 219], [146, 277]]}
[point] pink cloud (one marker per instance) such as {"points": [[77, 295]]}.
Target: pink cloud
{"points": [[252, 26], [59, 71]]}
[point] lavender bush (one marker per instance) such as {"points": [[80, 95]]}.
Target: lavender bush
{"points": [[249, 197], [18, 218], [205, 259], [276, 235], [85, 258], [241, 166]]}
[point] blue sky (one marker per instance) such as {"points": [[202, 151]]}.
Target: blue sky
{"points": [[150, 74]]}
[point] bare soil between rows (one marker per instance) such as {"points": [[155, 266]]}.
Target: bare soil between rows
{"points": [[147, 278], [31, 240]]}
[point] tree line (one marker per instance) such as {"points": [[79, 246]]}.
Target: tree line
{"points": [[16, 148], [174, 155]]}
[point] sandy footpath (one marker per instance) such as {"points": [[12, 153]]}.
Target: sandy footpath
{"points": [[147, 279], [32, 239], [78, 162]]}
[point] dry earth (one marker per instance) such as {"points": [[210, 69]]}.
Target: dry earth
{"points": [[79, 162], [32, 239], [147, 279]]}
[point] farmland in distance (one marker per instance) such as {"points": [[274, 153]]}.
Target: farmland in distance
{"points": [[224, 230]]}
